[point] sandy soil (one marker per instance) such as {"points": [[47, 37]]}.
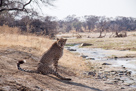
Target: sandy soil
{"points": [[12, 79]]}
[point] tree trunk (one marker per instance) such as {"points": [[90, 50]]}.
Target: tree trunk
{"points": [[100, 36]]}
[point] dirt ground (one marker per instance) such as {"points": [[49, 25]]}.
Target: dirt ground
{"points": [[11, 79]]}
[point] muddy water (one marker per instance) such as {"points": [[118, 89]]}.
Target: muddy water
{"points": [[98, 54]]}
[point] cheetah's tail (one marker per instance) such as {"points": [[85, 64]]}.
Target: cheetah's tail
{"points": [[19, 68]]}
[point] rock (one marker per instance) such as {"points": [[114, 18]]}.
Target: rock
{"points": [[71, 49], [128, 73], [84, 56], [121, 72], [101, 70], [127, 84], [117, 79], [122, 88], [109, 83], [115, 58], [112, 71], [89, 73], [122, 81], [105, 77], [131, 79], [86, 44], [115, 82], [106, 64], [92, 73], [99, 77], [90, 58], [37, 87]]}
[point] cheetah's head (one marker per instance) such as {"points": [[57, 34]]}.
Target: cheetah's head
{"points": [[61, 42]]}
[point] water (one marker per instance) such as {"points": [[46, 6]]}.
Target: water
{"points": [[96, 53], [102, 55], [99, 54]]}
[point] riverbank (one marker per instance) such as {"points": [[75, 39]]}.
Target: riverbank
{"points": [[125, 43]]}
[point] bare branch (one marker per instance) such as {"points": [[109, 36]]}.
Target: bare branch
{"points": [[0, 3], [11, 9]]}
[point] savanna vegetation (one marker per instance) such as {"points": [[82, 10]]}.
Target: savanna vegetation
{"points": [[15, 13], [51, 26]]}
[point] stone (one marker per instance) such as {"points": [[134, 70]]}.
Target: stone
{"points": [[127, 84], [106, 64], [71, 49], [109, 83], [92, 73], [90, 58], [122, 88], [117, 79], [86, 44], [128, 73], [121, 74], [112, 71], [115, 58], [115, 82], [84, 56]]}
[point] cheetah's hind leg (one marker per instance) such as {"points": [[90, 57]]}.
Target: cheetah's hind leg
{"points": [[45, 69], [59, 76]]}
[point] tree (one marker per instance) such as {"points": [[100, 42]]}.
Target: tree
{"points": [[102, 26], [7, 19], [69, 22], [84, 25], [78, 26], [21, 5], [91, 22]]}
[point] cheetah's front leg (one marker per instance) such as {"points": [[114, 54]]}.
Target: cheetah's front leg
{"points": [[56, 65]]}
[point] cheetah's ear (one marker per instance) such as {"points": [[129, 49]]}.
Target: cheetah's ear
{"points": [[57, 39]]}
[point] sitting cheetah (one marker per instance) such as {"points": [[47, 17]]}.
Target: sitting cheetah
{"points": [[51, 56]]}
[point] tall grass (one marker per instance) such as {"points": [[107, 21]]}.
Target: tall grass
{"points": [[5, 29], [11, 37]]}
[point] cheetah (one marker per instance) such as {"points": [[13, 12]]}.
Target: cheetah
{"points": [[49, 61]]}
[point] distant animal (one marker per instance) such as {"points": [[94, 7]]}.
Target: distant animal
{"points": [[51, 56]]}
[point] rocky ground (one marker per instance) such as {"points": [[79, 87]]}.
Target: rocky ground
{"points": [[11, 79]]}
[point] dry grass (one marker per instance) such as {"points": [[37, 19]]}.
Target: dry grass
{"points": [[11, 37], [12, 40], [9, 30], [127, 43], [41, 44]]}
